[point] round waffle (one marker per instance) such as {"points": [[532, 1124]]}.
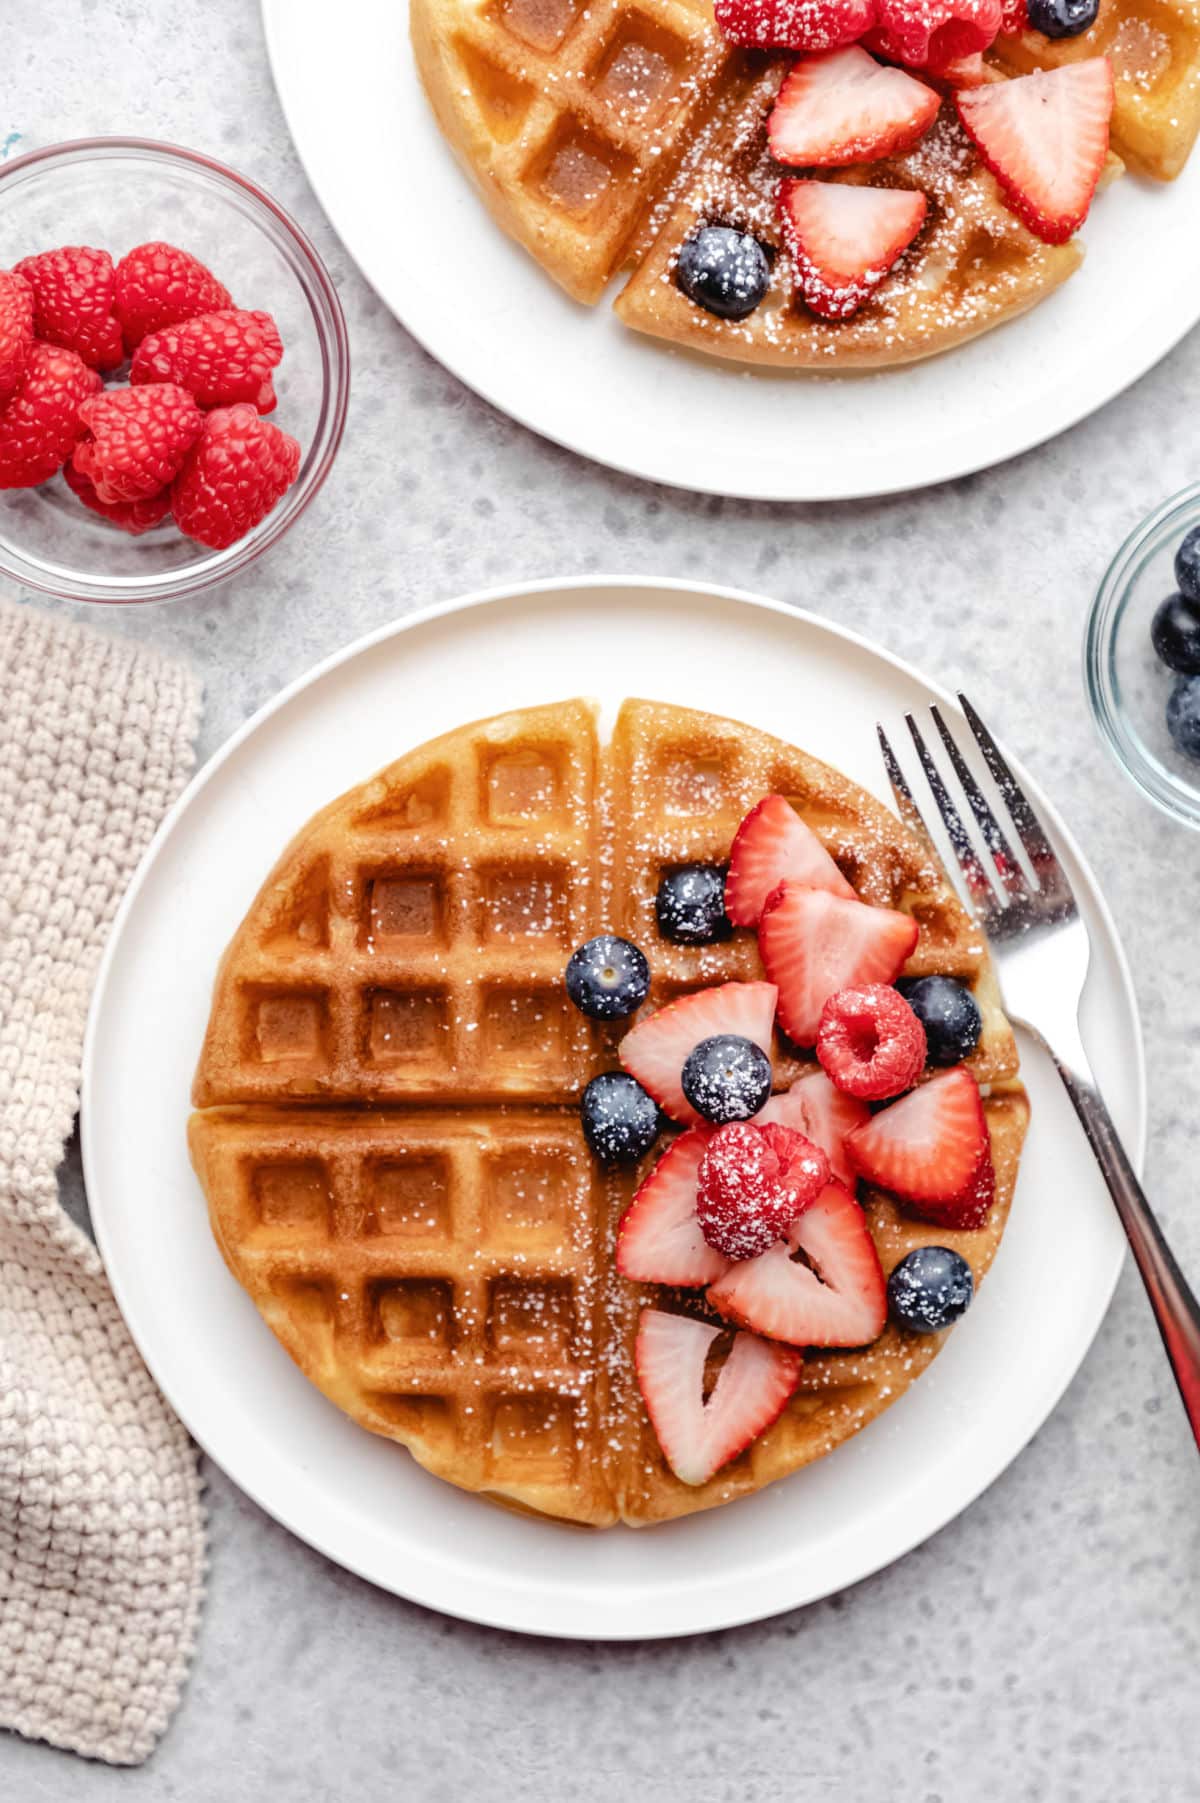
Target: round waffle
{"points": [[387, 1131]]}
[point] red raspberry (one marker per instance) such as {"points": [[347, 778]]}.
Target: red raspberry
{"points": [[220, 358], [870, 1042], [1014, 18], [234, 474], [73, 303], [16, 330], [160, 285], [932, 33], [134, 517], [136, 440], [753, 1182], [40, 424]]}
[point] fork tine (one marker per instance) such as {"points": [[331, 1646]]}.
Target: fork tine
{"points": [[1032, 834], [905, 805], [1008, 869], [982, 892]]}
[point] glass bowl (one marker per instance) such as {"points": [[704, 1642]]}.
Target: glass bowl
{"points": [[118, 192], [1127, 686]]}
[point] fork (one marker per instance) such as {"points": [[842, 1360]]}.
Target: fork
{"points": [[1041, 951]]}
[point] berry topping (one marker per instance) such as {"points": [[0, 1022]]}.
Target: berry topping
{"points": [[690, 905], [16, 330], [1187, 565], [844, 107], [753, 1182], [794, 24], [1183, 715], [970, 1209], [724, 271], [40, 424], [843, 240], [1063, 18], [1175, 634], [771, 846], [1045, 139], [726, 1078], [654, 1050], [833, 1295], [160, 285], [949, 1014], [134, 517], [752, 1387], [136, 440], [823, 1114], [930, 34], [220, 358], [870, 1042], [927, 1146], [814, 944], [608, 977], [1014, 17], [236, 471], [659, 1239], [930, 1289], [965, 72], [620, 1121], [73, 303]]}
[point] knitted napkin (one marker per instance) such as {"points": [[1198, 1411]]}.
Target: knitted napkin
{"points": [[101, 1529]]}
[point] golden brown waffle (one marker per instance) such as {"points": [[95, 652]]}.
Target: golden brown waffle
{"points": [[427, 1233]]}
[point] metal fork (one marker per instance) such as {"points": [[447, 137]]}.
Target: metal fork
{"points": [[1041, 951]]}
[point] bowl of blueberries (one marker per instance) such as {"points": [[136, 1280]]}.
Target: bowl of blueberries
{"points": [[1141, 657]]}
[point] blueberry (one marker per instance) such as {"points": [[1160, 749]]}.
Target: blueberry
{"points": [[1183, 715], [724, 271], [1187, 565], [726, 1078], [949, 1014], [1062, 18], [620, 1121], [608, 977], [1175, 634], [690, 905], [929, 1289]]}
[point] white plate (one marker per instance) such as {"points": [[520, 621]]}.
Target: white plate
{"points": [[419, 232], [362, 1500]]}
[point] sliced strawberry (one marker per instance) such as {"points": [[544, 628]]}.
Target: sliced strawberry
{"points": [[815, 1108], [814, 944], [964, 72], [927, 1146], [659, 1239], [754, 1384], [844, 107], [655, 1049], [843, 240], [837, 1298], [771, 846], [970, 1209], [794, 24], [928, 34], [1045, 139]]}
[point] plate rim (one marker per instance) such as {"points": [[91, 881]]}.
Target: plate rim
{"points": [[518, 1616]]}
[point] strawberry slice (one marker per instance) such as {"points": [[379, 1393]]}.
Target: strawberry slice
{"points": [[843, 240], [773, 845], [1045, 139], [844, 107], [813, 944], [754, 1384], [972, 1208], [823, 1114], [838, 1298], [659, 1239], [927, 1146], [655, 1049], [794, 24], [964, 72]]}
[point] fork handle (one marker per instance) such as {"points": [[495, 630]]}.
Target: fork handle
{"points": [[1171, 1297]]}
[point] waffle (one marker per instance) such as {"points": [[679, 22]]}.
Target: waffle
{"points": [[412, 1206]]}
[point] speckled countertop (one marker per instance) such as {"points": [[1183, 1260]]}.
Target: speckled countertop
{"points": [[1045, 1645]]}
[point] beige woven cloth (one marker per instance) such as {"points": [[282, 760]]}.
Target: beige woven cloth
{"points": [[101, 1528]]}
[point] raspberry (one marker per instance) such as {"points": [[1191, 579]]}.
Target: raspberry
{"points": [[870, 1042], [40, 424], [134, 517], [136, 440], [931, 33], [753, 1182], [234, 474], [1014, 18], [73, 303], [220, 358], [16, 330], [160, 285]]}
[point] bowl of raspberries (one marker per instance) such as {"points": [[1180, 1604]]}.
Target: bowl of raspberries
{"points": [[174, 371]]}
